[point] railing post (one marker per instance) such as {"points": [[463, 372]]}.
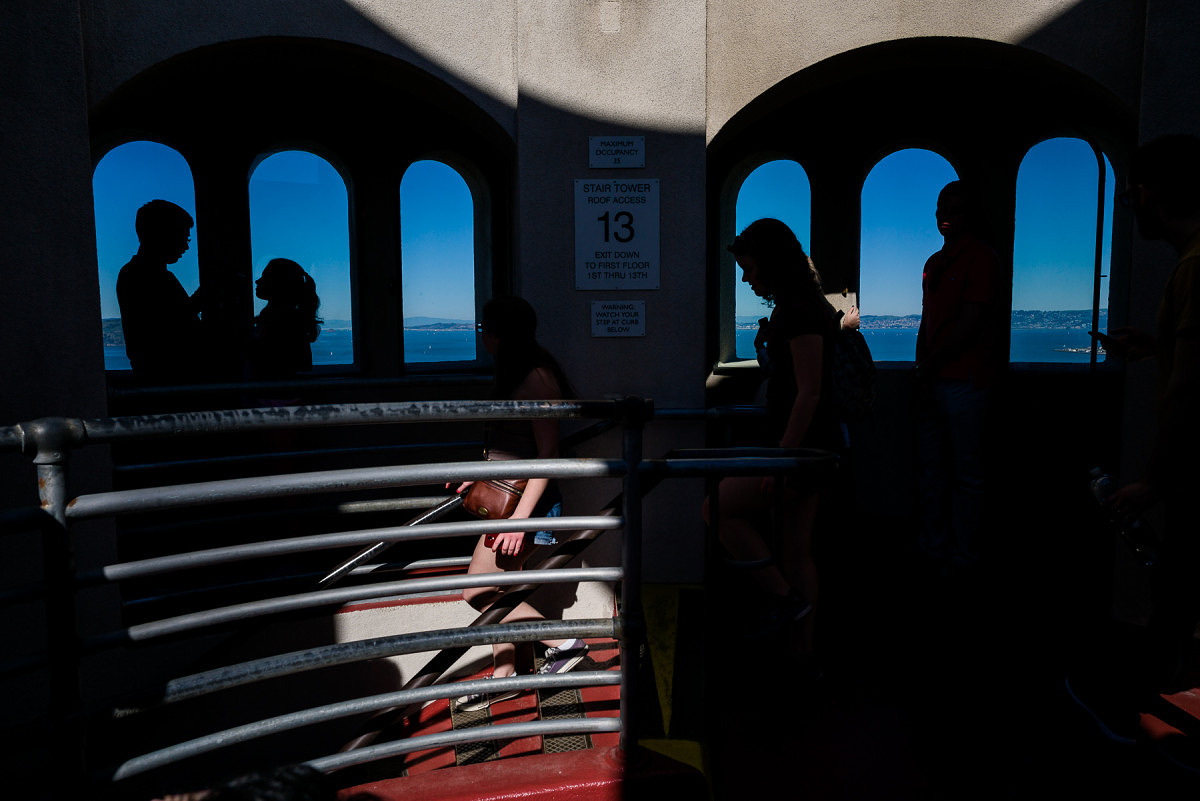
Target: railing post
{"points": [[633, 625], [49, 442]]}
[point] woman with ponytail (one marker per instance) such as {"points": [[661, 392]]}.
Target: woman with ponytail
{"points": [[280, 343]]}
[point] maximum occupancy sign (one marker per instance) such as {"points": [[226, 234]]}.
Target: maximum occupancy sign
{"points": [[616, 233]]}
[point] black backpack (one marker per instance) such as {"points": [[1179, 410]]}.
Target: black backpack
{"points": [[853, 376]]}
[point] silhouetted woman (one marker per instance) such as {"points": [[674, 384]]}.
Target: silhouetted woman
{"points": [[281, 341], [524, 370], [799, 340]]}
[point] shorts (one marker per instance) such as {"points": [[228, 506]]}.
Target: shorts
{"points": [[547, 537]]}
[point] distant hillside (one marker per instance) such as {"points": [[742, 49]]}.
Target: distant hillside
{"points": [[1021, 318], [113, 335], [438, 324]]}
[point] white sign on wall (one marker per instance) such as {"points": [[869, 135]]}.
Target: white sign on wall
{"points": [[618, 318], [616, 233], [617, 151]]}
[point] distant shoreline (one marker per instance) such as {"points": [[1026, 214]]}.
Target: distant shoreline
{"points": [[1023, 319], [113, 335]]}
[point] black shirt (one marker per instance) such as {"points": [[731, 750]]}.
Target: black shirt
{"points": [[809, 314]]}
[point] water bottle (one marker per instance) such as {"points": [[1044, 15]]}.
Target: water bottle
{"points": [[1135, 531]]}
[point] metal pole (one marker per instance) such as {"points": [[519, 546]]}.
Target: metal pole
{"points": [[632, 621], [49, 442], [1101, 192]]}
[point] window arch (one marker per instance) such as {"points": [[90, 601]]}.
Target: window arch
{"points": [[1060, 287], [125, 179], [299, 210], [779, 189], [437, 244], [898, 235]]}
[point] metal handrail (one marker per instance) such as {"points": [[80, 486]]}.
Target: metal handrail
{"points": [[342, 653], [50, 441], [290, 545], [182, 496], [501, 731], [358, 706], [383, 567], [338, 596], [118, 429], [275, 456]]}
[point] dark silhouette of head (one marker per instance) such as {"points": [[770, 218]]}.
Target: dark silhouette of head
{"points": [[510, 334], [1164, 185], [957, 210], [778, 257], [511, 320], [290, 293], [284, 281], [163, 231]]}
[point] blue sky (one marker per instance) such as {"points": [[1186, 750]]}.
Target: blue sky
{"points": [[125, 179], [438, 242], [1055, 244], [299, 211], [778, 189], [898, 229], [1055, 232]]}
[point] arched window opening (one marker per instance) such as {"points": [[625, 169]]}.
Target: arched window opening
{"points": [[128, 177], [437, 241], [778, 189], [898, 235], [1060, 288], [299, 210]]}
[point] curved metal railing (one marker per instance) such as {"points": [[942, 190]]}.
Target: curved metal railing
{"points": [[50, 443]]}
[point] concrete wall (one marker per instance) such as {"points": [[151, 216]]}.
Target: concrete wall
{"points": [[610, 68], [469, 45], [752, 46], [549, 73]]}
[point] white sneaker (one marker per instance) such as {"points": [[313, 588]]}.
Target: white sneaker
{"points": [[564, 657], [477, 701]]}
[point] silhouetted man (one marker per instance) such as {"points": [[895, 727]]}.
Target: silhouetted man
{"points": [[161, 322], [959, 358]]}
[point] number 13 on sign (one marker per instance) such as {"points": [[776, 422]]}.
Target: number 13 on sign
{"points": [[624, 222]]}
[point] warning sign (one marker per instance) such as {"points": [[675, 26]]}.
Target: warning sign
{"points": [[619, 318]]}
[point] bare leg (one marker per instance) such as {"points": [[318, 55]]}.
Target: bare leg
{"points": [[741, 499], [484, 560], [798, 515]]}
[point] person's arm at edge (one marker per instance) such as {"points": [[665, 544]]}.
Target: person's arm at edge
{"points": [[1178, 429], [538, 385]]}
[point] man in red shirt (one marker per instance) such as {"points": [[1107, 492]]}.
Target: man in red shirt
{"points": [[960, 354]]}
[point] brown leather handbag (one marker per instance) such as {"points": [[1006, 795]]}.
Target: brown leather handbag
{"points": [[494, 499]]}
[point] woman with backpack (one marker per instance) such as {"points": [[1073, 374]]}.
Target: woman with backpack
{"points": [[799, 341]]}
